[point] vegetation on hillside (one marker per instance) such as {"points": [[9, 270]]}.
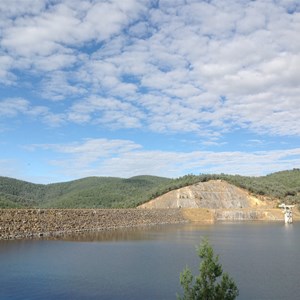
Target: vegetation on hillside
{"points": [[91, 192], [110, 192]]}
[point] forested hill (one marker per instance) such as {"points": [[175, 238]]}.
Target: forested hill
{"points": [[109, 192], [88, 192]]}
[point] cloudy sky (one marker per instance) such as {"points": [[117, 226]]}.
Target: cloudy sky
{"points": [[158, 87]]}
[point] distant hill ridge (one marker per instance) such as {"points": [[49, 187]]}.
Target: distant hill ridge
{"points": [[111, 192]]}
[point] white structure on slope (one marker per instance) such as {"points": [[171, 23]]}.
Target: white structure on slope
{"points": [[288, 214]]}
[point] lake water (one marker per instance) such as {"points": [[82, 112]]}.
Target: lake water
{"points": [[145, 263]]}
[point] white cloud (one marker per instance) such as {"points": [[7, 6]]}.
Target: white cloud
{"points": [[44, 36], [106, 111], [86, 155], [181, 66], [14, 9], [57, 86], [6, 76], [124, 158], [64, 23], [15, 107], [55, 62]]}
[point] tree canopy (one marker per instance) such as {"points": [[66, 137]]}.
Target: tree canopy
{"points": [[211, 283]]}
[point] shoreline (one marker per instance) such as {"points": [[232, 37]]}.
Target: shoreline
{"points": [[44, 223]]}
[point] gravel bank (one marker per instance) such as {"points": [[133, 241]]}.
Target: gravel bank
{"points": [[33, 223]]}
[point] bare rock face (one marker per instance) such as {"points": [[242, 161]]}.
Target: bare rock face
{"points": [[214, 194]]}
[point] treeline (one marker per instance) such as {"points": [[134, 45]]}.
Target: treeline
{"points": [[110, 192]]}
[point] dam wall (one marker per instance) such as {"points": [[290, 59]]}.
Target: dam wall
{"points": [[32, 223], [35, 223]]}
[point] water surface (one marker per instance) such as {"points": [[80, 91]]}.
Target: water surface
{"points": [[144, 263]]}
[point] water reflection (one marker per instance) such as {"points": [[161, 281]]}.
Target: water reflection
{"points": [[288, 227], [130, 233], [125, 234]]}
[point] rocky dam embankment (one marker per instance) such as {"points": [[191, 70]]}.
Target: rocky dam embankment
{"points": [[36, 223], [31, 223]]}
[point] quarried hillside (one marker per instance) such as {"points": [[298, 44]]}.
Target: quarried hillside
{"points": [[213, 194]]}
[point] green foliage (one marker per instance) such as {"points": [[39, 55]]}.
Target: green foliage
{"points": [[7, 202], [91, 192], [110, 192], [284, 185], [21, 193], [211, 283]]}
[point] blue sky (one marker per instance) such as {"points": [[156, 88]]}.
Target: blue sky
{"points": [[132, 87]]}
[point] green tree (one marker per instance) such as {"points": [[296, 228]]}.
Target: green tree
{"points": [[211, 283]]}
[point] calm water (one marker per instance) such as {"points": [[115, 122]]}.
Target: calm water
{"points": [[263, 259]]}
